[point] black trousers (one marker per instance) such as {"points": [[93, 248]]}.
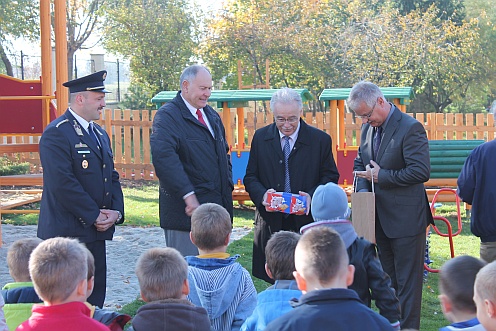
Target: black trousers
{"points": [[97, 248], [262, 234], [403, 260]]}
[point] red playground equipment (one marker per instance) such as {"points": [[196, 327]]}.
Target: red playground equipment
{"points": [[449, 229], [23, 108]]}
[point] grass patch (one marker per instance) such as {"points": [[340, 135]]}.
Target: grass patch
{"points": [[141, 206]]}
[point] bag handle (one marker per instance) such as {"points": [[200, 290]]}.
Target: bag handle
{"points": [[355, 180]]}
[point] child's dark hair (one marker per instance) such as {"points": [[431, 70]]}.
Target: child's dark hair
{"points": [[456, 281], [279, 254]]}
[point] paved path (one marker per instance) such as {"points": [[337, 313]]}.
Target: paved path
{"points": [[122, 254]]}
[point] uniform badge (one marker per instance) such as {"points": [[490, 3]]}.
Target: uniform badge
{"points": [[84, 164], [77, 128]]}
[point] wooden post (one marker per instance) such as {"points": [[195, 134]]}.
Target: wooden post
{"points": [[61, 56], [226, 118], [241, 127], [340, 119], [46, 59], [333, 110], [398, 104]]}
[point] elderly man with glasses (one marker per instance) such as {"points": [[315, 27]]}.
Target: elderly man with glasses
{"points": [[394, 153], [286, 156]]}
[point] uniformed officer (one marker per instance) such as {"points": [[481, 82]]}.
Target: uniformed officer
{"points": [[82, 196]]}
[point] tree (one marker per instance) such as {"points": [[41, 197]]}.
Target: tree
{"points": [[157, 36], [453, 10], [246, 31], [330, 44], [83, 18], [283, 32], [437, 57], [484, 93], [17, 18]]}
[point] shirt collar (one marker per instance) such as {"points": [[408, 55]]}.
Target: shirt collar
{"points": [[190, 107], [84, 123]]}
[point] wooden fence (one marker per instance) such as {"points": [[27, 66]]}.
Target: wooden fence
{"points": [[131, 129]]}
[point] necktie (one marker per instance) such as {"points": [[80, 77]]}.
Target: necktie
{"points": [[93, 135], [377, 140], [200, 117], [286, 151]]}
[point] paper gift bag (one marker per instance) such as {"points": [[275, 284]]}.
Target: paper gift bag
{"points": [[363, 212]]}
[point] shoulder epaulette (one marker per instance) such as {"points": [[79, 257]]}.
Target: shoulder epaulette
{"points": [[66, 120]]}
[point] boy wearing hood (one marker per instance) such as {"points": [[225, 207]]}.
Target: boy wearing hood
{"points": [[218, 283], [329, 207]]}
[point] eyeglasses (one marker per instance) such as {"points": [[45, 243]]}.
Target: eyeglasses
{"points": [[367, 116], [290, 120]]}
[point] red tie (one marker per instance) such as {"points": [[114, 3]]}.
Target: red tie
{"points": [[200, 117]]}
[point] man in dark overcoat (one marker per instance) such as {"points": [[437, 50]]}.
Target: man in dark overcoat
{"points": [[310, 163], [190, 156]]}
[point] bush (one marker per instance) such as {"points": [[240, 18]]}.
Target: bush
{"points": [[138, 97], [8, 167]]}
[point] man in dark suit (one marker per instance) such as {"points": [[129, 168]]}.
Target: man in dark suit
{"points": [[82, 196], [394, 153], [310, 164], [190, 156]]}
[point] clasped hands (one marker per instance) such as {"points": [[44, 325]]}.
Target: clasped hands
{"points": [[371, 172], [106, 219], [305, 194]]}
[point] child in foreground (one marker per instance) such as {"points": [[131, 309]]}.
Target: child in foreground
{"points": [[323, 274], [279, 265], [371, 282], [20, 295], [456, 285], [485, 296], [58, 268], [218, 283], [163, 279]]}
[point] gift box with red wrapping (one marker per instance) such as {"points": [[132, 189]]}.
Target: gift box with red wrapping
{"points": [[287, 203]]}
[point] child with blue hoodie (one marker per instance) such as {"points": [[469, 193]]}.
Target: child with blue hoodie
{"points": [[279, 265], [329, 207], [217, 282]]}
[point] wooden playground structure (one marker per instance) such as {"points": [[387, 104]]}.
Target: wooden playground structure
{"points": [[32, 100]]}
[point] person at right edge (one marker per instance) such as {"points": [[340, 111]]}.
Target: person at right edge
{"points": [[394, 153], [476, 187]]}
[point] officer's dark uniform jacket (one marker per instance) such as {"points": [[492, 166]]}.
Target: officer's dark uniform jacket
{"points": [[78, 180]]}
